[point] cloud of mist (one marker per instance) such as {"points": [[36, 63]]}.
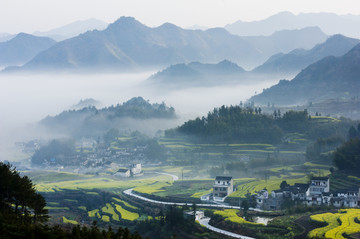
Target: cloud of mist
{"points": [[27, 99]]}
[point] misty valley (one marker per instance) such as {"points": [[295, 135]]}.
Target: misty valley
{"points": [[132, 131]]}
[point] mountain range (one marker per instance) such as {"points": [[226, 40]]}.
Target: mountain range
{"points": [[298, 59], [330, 78], [22, 48], [329, 23], [279, 65], [73, 29], [285, 41], [127, 45]]}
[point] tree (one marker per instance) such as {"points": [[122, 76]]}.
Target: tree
{"points": [[283, 185], [56, 152], [20, 192], [352, 133], [111, 136], [347, 156]]}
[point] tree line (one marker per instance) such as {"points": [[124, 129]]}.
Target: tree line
{"points": [[235, 124]]}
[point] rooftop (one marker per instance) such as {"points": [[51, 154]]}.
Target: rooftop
{"points": [[320, 178], [223, 178], [122, 170]]}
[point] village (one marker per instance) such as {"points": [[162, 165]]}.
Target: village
{"points": [[317, 192]]}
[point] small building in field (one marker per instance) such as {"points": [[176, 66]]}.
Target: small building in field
{"points": [[222, 188], [123, 172]]}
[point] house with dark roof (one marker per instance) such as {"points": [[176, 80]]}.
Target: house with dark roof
{"points": [[315, 193], [123, 172]]}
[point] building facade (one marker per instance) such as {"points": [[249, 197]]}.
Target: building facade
{"points": [[222, 188]]}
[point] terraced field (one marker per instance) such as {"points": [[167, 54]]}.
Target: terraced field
{"points": [[231, 215], [345, 222], [258, 185], [181, 147], [113, 211], [106, 183]]}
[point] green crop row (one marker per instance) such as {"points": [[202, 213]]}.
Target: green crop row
{"points": [[125, 203], [125, 214], [65, 220], [110, 210]]}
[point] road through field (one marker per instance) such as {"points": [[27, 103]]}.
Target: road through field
{"points": [[203, 221]]}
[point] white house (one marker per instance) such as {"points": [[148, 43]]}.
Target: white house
{"points": [[223, 187], [318, 186], [135, 168]]}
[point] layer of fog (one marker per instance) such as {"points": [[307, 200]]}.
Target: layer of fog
{"points": [[26, 99]]}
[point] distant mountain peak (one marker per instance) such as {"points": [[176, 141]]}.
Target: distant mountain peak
{"points": [[168, 25], [126, 20], [129, 23]]}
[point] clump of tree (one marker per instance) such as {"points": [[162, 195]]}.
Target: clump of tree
{"points": [[347, 156], [20, 204], [323, 148], [233, 124], [293, 121], [23, 213], [18, 197], [354, 133], [56, 152]]}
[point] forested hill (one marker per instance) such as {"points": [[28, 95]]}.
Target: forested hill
{"points": [[199, 74], [90, 120], [329, 78], [235, 124]]}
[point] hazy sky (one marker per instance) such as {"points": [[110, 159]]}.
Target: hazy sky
{"points": [[31, 15]]}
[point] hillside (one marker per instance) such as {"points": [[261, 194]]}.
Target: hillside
{"points": [[22, 48], [90, 121], [329, 78], [298, 59], [199, 74]]}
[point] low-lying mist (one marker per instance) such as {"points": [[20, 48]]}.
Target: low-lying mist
{"points": [[27, 99]]}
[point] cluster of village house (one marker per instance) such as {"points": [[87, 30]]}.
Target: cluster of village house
{"points": [[315, 193]]}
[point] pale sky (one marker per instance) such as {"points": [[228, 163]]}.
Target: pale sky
{"points": [[42, 15]]}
